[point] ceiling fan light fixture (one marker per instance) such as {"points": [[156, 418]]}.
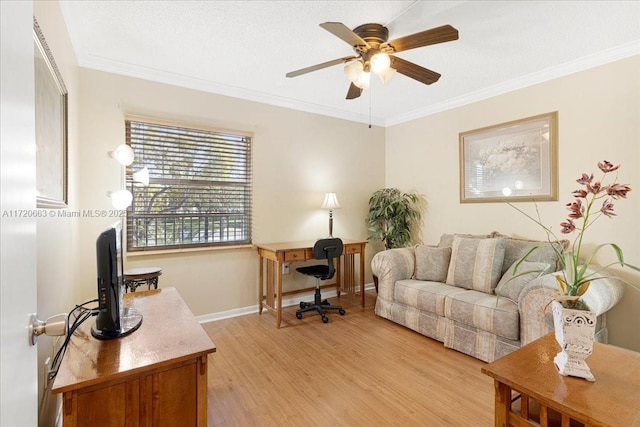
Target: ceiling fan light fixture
{"points": [[364, 78], [380, 63], [387, 74], [372, 47], [353, 70], [358, 74]]}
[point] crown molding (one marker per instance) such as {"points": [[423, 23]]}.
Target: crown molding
{"points": [[581, 64], [189, 82], [584, 63]]}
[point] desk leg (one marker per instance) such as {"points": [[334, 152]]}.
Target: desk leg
{"points": [[338, 264], [278, 293], [349, 274], [362, 274], [260, 283], [270, 292]]}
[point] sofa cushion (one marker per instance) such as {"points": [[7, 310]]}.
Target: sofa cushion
{"points": [[512, 283], [515, 249], [485, 312], [476, 263], [475, 342], [423, 295], [432, 263], [446, 240]]}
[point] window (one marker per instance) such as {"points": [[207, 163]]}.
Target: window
{"points": [[199, 191]]}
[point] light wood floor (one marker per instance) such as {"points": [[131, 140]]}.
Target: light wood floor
{"points": [[356, 370]]}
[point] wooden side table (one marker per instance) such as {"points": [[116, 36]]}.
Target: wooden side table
{"points": [[548, 398], [136, 277]]}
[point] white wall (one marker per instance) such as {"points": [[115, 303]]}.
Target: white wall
{"points": [[297, 158], [599, 119]]}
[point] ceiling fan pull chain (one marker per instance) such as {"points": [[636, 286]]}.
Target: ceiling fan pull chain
{"points": [[370, 96]]}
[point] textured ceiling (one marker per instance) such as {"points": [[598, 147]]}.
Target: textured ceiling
{"points": [[245, 48]]}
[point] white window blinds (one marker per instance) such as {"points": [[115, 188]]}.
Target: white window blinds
{"points": [[199, 191]]}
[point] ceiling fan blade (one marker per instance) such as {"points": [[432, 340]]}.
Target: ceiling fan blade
{"points": [[353, 92], [414, 71], [343, 32], [320, 66], [437, 35]]}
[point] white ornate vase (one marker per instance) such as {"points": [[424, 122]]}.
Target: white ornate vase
{"points": [[575, 332]]}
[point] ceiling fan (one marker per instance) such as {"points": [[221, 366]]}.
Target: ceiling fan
{"points": [[374, 54]]}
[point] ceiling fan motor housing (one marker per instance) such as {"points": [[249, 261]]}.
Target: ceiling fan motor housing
{"points": [[374, 34]]}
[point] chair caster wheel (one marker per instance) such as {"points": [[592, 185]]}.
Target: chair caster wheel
{"points": [[325, 319], [299, 315], [302, 304], [342, 312]]}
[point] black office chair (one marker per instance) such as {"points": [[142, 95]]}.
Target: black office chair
{"points": [[323, 249]]}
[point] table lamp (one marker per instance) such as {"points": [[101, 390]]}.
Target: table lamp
{"points": [[331, 203]]}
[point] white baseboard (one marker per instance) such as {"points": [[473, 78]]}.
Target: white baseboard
{"points": [[286, 302]]}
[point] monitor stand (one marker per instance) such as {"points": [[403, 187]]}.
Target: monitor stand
{"points": [[130, 321]]}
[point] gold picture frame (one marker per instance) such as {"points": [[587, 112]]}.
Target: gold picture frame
{"points": [[510, 162], [51, 124]]}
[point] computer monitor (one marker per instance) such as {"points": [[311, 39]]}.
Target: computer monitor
{"points": [[113, 319]]}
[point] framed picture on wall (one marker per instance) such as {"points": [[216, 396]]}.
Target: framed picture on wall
{"points": [[51, 123], [512, 161]]}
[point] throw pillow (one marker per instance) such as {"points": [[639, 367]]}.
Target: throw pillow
{"points": [[476, 263], [516, 248], [446, 240], [510, 287], [432, 263]]}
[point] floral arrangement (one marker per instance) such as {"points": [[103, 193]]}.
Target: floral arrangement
{"points": [[583, 212]]}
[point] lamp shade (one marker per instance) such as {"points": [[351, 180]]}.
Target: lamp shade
{"points": [[386, 75], [330, 201], [123, 154], [358, 74], [142, 176], [353, 70], [380, 62], [120, 199]]}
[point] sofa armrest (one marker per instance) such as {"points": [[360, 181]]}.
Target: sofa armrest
{"points": [[535, 299], [390, 266]]}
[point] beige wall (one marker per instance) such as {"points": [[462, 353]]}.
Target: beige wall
{"points": [[599, 119], [57, 256], [297, 158]]}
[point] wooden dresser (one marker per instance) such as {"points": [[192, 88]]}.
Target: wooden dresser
{"points": [[156, 376]]}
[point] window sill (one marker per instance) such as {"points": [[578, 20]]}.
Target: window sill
{"points": [[186, 250]]}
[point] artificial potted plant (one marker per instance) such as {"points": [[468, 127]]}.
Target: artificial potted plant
{"points": [[569, 311], [394, 218]]}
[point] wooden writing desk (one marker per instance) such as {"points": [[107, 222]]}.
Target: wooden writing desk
{"points": [[612, 400], [156, 376], [275, 254]]}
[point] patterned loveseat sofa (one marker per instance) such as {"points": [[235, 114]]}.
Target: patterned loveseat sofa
{"points": [[447, 292]]}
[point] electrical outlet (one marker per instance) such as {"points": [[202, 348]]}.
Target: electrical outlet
{"points": [[285, 268]]}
